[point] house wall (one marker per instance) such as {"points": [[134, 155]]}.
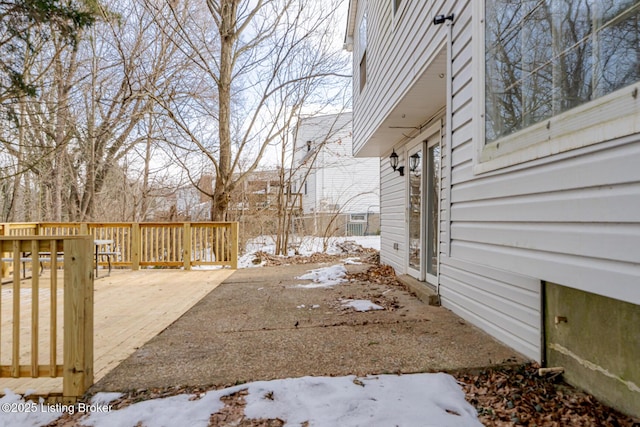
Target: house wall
{"points": [[571, 218], [309, 194], [393, 202], [352, 185], [502, 301], [507, 305], [336, 179], [397, 45]]}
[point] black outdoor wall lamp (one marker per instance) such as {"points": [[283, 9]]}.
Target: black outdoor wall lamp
{"points": [[414, 162], [440, 19], [393, 161]]}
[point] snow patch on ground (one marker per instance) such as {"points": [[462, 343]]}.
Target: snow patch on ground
{"points": [[324, 277], [18, 412], [105, 398], [207, 267], [361, 304], [407, 400], [416, 399], [180, 410]]}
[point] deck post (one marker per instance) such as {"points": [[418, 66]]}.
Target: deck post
{"points": [[234, 245], [136, 245], [78, 317], [7, 268], [186, 246]]}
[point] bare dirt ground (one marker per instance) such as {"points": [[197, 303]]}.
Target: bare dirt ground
{"points": [[507, 395]]}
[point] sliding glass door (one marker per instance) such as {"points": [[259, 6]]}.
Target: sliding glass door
{"points": [[423, 193]]}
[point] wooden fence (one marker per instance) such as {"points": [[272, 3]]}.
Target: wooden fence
{"points": [[34, 331], [158, 244]]}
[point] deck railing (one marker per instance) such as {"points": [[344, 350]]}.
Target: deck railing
{"points": [[33, 325], [158, 244]]}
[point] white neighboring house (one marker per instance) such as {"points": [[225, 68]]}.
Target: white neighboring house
{"points": [[522, 122], [334, 184]]}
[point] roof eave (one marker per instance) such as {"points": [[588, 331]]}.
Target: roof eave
{"points": [[351, 24]]}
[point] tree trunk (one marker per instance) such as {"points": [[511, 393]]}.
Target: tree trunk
{"points": [[62, 78], [219, 204], [144, 204], [223, 178]]}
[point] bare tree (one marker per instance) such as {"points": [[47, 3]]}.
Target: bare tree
{"points": [[298, 162], [259, 63], [125, 59], [27, 29], [90, 112], [216, 82]]}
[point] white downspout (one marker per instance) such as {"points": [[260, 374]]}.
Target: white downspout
{"points": [[449, 149]]}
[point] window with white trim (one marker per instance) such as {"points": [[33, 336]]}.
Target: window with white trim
{"points": [[545, 58]]}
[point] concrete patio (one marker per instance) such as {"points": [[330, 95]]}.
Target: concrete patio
{"points": [[254, 327]]}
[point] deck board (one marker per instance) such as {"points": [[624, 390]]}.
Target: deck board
{"points": [[131, 307]]}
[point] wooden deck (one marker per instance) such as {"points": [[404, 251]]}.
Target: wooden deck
{"points": [[131, 307]]}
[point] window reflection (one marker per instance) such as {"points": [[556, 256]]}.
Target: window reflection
{"points": [[433, 208], [544, 57], [415, 210]]}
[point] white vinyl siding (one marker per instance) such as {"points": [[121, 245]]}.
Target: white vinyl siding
{"points": [[352, 185], [309, 195], [506, 305], [571, 217], [393, 203], [574, 221], [399, 50]]}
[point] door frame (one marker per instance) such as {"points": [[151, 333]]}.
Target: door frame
{"points": [[425, 140], [419, 273]]}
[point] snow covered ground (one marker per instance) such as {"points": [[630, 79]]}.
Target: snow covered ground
{"points": [[305, 246], [381, 400]]}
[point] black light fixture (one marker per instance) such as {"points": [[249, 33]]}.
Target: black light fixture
{"points": [[440, 19], [414, 162], [393, 161]]}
